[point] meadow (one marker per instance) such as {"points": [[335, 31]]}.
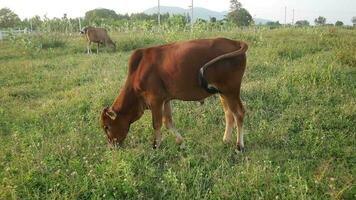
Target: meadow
{"points": [[299, 91]]}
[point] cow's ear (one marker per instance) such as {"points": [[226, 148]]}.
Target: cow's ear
{"points": [[110, 113], [105, 109]]}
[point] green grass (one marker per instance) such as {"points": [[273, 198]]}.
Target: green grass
{"points": [[299, 91]]}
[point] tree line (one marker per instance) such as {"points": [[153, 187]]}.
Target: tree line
{"points": [[236, 17]]}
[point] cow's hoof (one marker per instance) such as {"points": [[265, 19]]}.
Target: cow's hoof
{"points": [[226, 140], [156, 145], [239, 148]]}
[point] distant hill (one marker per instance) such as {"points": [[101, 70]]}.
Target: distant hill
{"points": [[199, 12], [261, 21]]}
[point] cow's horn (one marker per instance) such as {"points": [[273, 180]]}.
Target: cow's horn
{"points": [[110, 113]]}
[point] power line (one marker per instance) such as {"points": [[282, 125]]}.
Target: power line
{"points": [[159, 14], [285, 15], [192, 15]]}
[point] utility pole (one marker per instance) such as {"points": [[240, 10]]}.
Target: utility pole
{"points": [[285, 16], [192, 15], [293, 17], [159, 14], [80, 24]]}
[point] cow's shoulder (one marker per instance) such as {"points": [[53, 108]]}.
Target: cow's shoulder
{"points": [[135, 60], [149, 56]]}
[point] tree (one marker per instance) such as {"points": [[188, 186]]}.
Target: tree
{"points": [[320, 20], [100, 14], [212, 19], [177, 21], [8, 19], [273, 24], [235, 5], [35, 23], [339, 23], [238, 15], [353, 20], [302, 23]]}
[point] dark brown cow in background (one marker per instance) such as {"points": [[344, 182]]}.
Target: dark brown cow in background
{"points": [[97, 35], [188, 71]]}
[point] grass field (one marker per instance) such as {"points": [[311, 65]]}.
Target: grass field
{"points": [[299, 91]]}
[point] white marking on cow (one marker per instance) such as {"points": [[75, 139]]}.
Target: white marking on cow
{"points": [[228, 133], [241, 139]]}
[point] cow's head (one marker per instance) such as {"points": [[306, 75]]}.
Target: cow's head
{"points": [[82, 31], [115, 126]]}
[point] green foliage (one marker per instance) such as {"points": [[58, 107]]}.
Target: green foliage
{"points": [[235, 5], [8, 19], [177, 22], [238, 15], [353, 20], [302, 23], [36, 22], [212, 20], [100, 14], [320, 21], [298, 90], [116, 22], [273, 24], [127, 42], [339, 23], [33, 44]]}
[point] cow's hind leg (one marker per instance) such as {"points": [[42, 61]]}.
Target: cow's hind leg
{"points": [[229, 121], [168, 122], [235, 106], [97, 49]]}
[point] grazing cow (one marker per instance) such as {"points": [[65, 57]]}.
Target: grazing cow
{"points": [[97, 35], [188, 71]]}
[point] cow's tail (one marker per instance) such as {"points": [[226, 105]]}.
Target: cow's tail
{"points": [[202, 80]]}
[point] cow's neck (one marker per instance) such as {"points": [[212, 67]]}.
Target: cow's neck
{"points": [[127, 102]]}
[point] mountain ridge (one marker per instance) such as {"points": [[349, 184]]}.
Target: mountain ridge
{"points": [[199, 12]]}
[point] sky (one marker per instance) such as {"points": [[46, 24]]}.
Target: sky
{"points": [[333, 10]]}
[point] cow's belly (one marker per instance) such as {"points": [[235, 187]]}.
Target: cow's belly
{"points": [[185, 86], [190, 96]]}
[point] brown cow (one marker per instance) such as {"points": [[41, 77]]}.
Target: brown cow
{"points": [[188, 71], [97, 35]]}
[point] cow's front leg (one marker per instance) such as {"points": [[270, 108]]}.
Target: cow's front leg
{"points": [[168, 122], [89, 47], [157, 110]]}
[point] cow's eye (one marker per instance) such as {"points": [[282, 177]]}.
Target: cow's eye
{"points": [[106, 127]]}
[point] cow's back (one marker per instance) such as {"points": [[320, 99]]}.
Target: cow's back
{"points": [[177, 65], [97, 35]]}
